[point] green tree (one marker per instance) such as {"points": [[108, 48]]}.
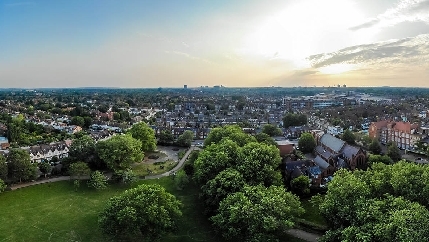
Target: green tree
{"points": [[146, 135], [379, 204], [2, 186], [271, 130], [185, 139], [20, 167], [45, 168], [257, 214], [78, 170], [97, 181], [166, 137], [3, 168], [214, 191], [375, 147], [142, 213], [126, 176], [265, 138], [292, 119], [232, 132], [120, 151], [83, 149], [393, 152], [78, 120], [258, 163], [349, 137], [300, 185], [181, 180], [379, 159], [306, 143], [214, 159]]}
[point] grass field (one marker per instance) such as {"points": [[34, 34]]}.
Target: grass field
{"points": [[312, 213], [144, 169], [55, 212]]}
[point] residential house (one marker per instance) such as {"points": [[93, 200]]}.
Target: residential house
{"points": [[335, 130], [294, 169], [285, 147]]}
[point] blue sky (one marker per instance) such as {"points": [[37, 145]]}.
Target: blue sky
{"points": [[231, 43]]}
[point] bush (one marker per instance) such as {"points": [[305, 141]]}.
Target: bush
{"points": [[97, 180]]}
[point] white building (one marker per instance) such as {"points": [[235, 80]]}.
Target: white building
{"points": [[335, 130]]}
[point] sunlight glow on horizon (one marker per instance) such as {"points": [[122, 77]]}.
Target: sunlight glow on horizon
{"points": [[290, 34]]}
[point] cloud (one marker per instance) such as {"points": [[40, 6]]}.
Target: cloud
{"points": [[407, 51], [404, 11], [301, 73], [188, 56], [365, 25]]}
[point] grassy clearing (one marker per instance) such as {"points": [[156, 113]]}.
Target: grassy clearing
{"points": [[312, 213], [53, 212], [144, 169]]}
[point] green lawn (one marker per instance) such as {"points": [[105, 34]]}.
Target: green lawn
{"points": [[144, 169], [312, 213], [55, 212]]}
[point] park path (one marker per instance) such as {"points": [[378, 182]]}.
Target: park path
{"points": [[176, 168], [27, 184], [64, 178], [304, 235]]}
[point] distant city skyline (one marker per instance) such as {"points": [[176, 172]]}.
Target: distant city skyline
{"points": [[254, 43]]}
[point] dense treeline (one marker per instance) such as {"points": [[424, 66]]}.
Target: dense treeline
{"points": [[241, 187], [384, 203]]}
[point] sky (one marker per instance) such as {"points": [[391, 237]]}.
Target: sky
{"points": [[239, 43]]}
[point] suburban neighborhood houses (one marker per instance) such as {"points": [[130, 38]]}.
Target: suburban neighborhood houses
{"points": [[199, 110], [307, 140]]}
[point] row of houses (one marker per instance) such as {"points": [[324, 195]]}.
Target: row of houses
{"points": [[46, 152]]}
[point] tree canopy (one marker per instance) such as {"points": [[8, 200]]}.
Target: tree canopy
{"points": [[214, 191], [257, 214], [79, 169], [375, 147], [214, 159], [20, 167], [165, 137], [142, 213], [306, 143], [349, 137], [3, 168], [271, 130], [257, 162], [145, 134], [185, 139], [97, 180], [82, 148], [384, 203], [232, 132], [293, 119], [265, 138], [120, 151], [393, 152]]}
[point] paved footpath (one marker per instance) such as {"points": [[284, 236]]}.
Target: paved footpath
{"points": [[27, 184], [304, 235], [176, 168], [64, 178]]}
